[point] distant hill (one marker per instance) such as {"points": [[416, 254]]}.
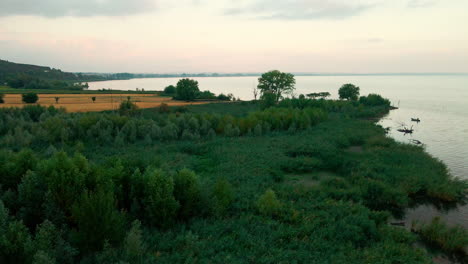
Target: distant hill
{"points": [[11, 69]]}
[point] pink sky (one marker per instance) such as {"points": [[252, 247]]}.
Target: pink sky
{"points": [[353, 36]]}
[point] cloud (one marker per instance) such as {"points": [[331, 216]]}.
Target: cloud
{"points": [[302, 9], [81, 8], [421, 3]]}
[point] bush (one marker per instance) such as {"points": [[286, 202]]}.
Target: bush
{"points": [[223, 97], [164, 108], [374, 100], [206, 95], [127, 108], [1, 98], [222, 196], [30, 98], [171, 89], [451, 239], [268, 204]]}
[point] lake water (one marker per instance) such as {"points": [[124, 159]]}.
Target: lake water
{"points": [[441, 102]]}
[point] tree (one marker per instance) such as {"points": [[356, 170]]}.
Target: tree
{"points": [[349, 92], [57, 100], [1, 98], [171, 89], [97, 220], [93, 98], [276, 82], [30, 98], [187, 89], [322, 95], [187, 191]]}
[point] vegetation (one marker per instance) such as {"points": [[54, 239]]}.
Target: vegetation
{"points": [[30, 98], [210, 183], [277, 83], [1, 98], [321, 95], [451, 239], [170, 90], [349, 92], [186, 89]]}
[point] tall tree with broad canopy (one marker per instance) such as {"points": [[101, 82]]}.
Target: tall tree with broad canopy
{"points": [[349, 92], [277, 82], [187, 89]]}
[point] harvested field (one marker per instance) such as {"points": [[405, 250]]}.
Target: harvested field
{"points": [[84, 103]]}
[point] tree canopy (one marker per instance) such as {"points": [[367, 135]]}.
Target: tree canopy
{"points": [[349, 92], [187, 89], [276, 82]]}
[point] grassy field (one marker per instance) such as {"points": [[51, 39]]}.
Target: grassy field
{"points": [[83, 102]]}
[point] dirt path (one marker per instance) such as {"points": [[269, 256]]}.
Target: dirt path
{"points": [[84, 103]]}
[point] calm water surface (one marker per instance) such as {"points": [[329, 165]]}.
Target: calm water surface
{"points": [[441, 102]]}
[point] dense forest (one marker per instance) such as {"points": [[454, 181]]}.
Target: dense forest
{"points": [[295, 181]]}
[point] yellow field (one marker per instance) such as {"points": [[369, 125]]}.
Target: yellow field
{"points": [[83, 102]]}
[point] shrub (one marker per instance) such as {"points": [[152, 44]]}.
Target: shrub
{"points": [[374, 100], [223, 97], [127, 108], [171, 89], [451, 239], [1, 98], [268, 204], [222, 196], [164, 108], [30, 98], [207, 95]]}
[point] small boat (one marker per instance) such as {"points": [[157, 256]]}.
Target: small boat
{"points": [[417, 120], [406, 130], [417, 142]]}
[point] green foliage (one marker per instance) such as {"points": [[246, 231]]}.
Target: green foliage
{"points": [[374, 100], [349, 92], [186, 89], [97, 221], [30, 98], [222, 196], [164, 108], [268, 99], [322, 95], [173, 174], [277, 83], [153, 197], [187, 191], [65, 178], [171, 90], [451, 239], [268, 204], [128, 108], [93, 99]]}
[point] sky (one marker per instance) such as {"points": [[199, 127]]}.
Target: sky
{"points": [[174, 36]]}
